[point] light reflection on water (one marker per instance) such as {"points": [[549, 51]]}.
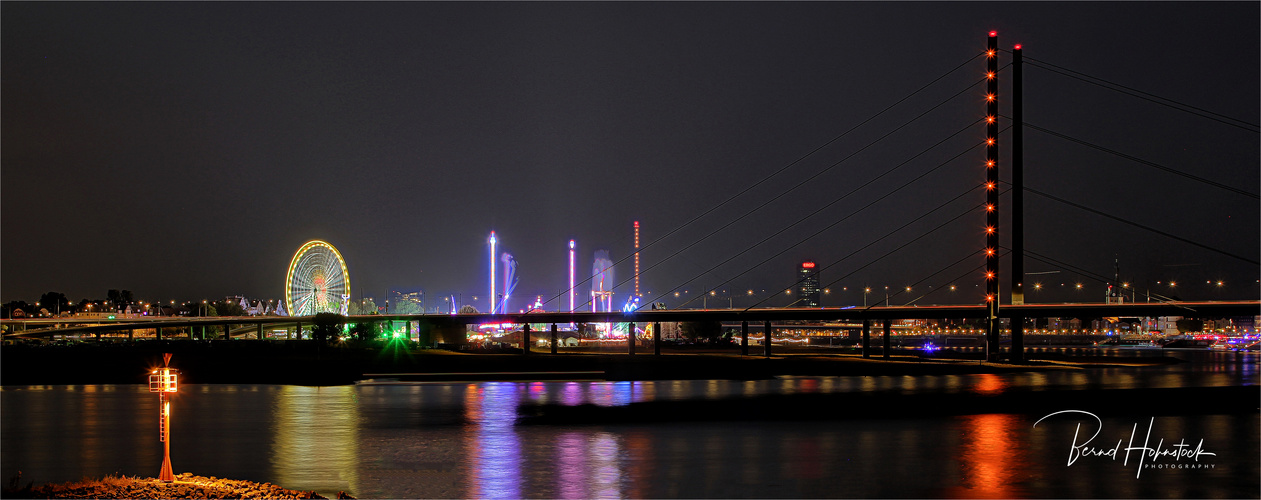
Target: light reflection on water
{"points": [[460, 441], [315, 436]]}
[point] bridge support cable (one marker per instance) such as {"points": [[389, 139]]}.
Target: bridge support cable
{"points": [[842, 219], [811, 178], [1141, 226], [795, 162], [1141, 161], [886, 235], [1090, 274], [1163, 101]]}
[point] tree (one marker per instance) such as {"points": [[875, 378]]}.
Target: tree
{"points": [[55, 302], [230, 308], [407, 307], [1190, 325], [327, 327], [200, 309], [708, 331], [16, 309], [363, 331], [365, 306]]}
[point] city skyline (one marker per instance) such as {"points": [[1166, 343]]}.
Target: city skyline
{"points": [[186, 151]]}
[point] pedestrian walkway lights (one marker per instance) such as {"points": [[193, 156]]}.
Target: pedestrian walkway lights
{"points": [[165, 381]]}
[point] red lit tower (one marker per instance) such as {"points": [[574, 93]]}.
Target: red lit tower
{"points": [[991, 197]]}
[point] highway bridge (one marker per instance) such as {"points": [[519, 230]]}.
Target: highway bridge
{"points": [[449, 328]]}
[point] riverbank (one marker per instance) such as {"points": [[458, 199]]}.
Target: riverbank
{"points": [[186, 485], [307, 363]]}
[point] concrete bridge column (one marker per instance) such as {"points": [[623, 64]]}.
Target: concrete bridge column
{"points": [[553, 338], [260, 331], [744, 338], [656, 339], [767, 336], [887, 324], [158, 332], [630, 338], [299, 332], [131, 334], [866, 338], [227, 331], [525, 340], [1018, 339], [409, 330]]}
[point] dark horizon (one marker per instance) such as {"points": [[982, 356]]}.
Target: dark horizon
{"points": [[185, 151]]}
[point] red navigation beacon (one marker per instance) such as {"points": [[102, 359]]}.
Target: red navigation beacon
{"points": [[165, 381]]}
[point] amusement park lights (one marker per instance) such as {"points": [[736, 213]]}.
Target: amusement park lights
{"points": [[571, 276], [491, 297]]}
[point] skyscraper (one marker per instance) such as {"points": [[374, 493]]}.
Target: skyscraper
{"points": [[808, 285]]}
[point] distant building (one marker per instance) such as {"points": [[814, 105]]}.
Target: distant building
{"points": [[808, 285], [406, 302]]}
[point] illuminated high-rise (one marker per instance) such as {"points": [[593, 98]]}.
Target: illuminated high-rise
{"points": [[808, 286]]}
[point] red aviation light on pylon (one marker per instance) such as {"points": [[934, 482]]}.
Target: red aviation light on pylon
{"points": [[1017, 46], [993, 33]]}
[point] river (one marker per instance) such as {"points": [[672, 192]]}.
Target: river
{"points": [[452, 440]]}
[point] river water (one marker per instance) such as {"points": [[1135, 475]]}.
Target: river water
{"points": [[459, 440]]}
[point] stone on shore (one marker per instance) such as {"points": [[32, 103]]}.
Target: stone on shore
{"points": [[186, 485]]}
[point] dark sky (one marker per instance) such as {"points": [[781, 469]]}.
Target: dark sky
{"points": [[186, 150]]}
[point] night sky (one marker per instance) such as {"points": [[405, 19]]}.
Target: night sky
{"points": [[185, 151]]}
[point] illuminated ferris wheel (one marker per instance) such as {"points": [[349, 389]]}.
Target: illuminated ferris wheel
{"points": [[317, 281]]}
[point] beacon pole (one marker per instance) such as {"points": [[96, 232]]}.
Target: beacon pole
{"points": [[165, 381]]}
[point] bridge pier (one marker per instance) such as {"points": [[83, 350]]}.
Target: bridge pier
{"points": [[409, 330], [744, 338], [1018, 339], [768, 339], [630, 338], [553, 338], [157, 332], [525, 339], [299, 330], [656, 339], [227, 331], [260, 331], [866, 337], [887, 326]]}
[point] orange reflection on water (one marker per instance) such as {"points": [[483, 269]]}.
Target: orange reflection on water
{"points": [[989, 384], [992, 455]]}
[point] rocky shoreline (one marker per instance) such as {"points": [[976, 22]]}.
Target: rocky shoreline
{"points": [[186, 485]]}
